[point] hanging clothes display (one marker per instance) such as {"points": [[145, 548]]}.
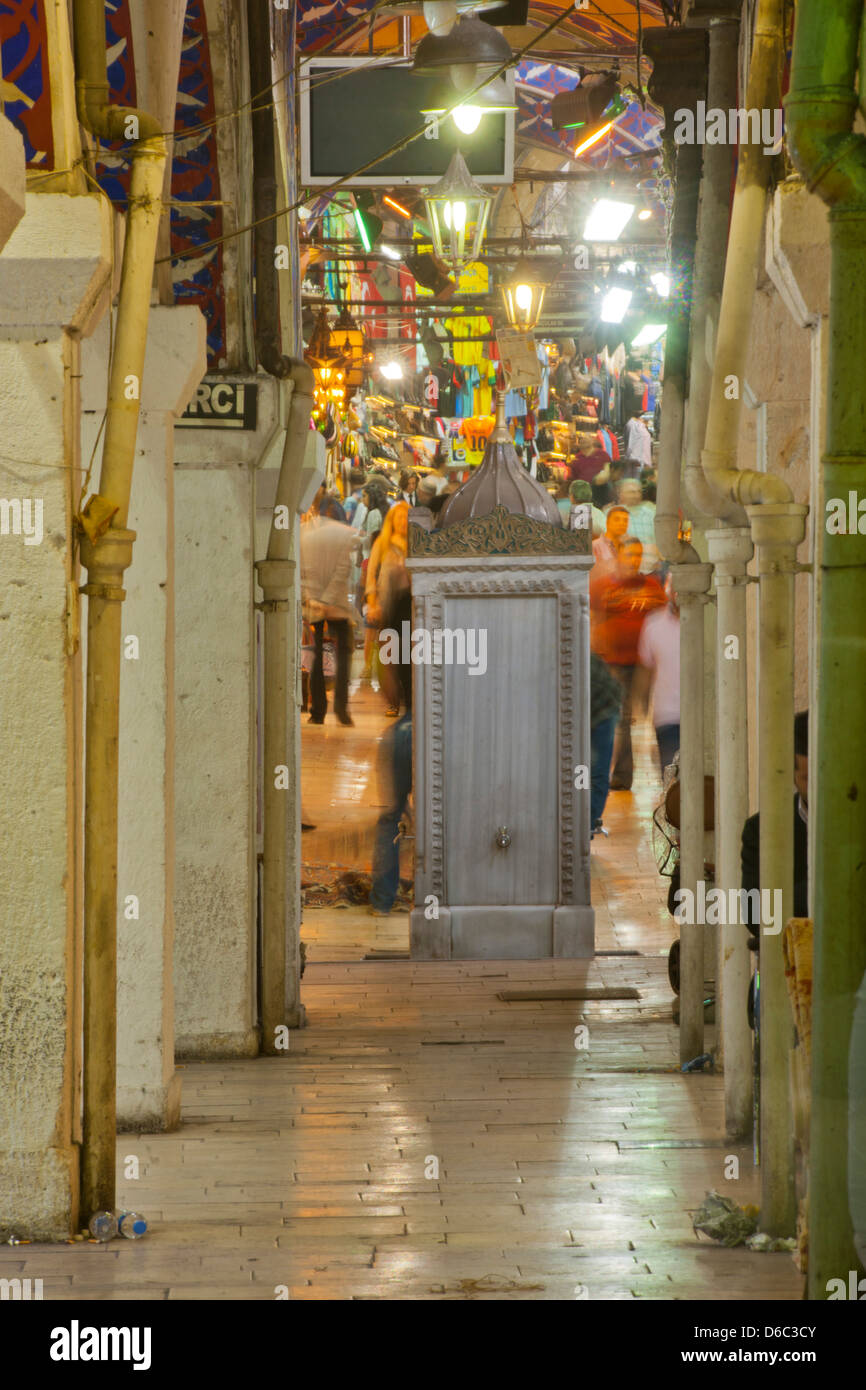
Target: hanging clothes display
{"points": [[475, 433], [464, 402], [463, 326]]}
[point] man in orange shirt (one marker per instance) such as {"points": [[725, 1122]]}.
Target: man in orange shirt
{"points": [[620, 599]]}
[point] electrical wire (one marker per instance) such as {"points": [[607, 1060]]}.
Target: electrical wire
{"points": [[386, 154]]}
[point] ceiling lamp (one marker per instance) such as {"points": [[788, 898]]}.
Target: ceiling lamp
{"points": [[350, 342], [395, 206], [592, 108], [440, 15], [523, 294], [496, 96], [472, 51], [607, 220], [615, 304], [586, 103], [457, 211], [650, 333]]}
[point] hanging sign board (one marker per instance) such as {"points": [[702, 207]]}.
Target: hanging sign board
{"points": [[519, 358]]}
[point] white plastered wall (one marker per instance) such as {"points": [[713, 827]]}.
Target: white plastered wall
{"points": [[53, 272]]}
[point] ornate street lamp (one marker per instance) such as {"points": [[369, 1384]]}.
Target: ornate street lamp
{"points": [[350, 342], [329, 368], [457, 210], [523, 294]]}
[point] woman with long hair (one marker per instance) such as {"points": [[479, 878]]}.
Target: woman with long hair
{"points": [[387, 579]]}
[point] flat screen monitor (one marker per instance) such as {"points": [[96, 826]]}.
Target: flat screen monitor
{"points": [[353, 109]]}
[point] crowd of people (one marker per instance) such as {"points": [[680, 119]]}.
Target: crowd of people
{"points": [[355, 580]]}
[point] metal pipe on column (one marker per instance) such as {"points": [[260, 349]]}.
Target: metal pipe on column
{"points": [[731, 550], [106, 552]]}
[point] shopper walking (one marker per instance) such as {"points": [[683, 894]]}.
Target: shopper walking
{"points": [[386, 577], [326, 577], [658, 650], [605, 705], [620, 601]]}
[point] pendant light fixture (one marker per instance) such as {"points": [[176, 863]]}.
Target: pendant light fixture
{"points": [[498, 95], [457, 211], [329, 368], [472, 51], [350, 342], [523, 295]]}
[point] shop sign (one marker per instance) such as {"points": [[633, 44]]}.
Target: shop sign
{"points": [[519, 358], [219, 404]]}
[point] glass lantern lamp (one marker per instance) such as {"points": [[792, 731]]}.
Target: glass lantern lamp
{"points": [[350, 341], [523, 294], [457, 210]]}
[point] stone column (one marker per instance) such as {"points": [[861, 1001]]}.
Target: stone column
{"points": [[54, 271], [216, 766], [148, 1088]]}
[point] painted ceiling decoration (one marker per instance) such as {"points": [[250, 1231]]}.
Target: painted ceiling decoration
{"points": [[195, 179], [26, 89], [344, 24], [635, 131]]}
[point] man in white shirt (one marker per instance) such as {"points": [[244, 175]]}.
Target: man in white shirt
{"points": [[638, 441], [659, 651]]}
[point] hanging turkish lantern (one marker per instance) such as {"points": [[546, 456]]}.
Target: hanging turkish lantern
{"points": [[329, 369], [350, 342]]}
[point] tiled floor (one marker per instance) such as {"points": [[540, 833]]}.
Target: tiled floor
{"points": [[424, 1139]]}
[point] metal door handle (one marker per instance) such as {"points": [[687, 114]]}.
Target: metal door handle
{"points": [[503, 839]]}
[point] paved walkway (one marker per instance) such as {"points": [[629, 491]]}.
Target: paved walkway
{"points": [[425, 1139]]}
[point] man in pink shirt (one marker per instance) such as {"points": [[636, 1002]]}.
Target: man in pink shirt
{"points": [[659, 651]]}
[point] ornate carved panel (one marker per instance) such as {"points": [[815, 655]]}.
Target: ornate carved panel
{"points": [[499, 533]]}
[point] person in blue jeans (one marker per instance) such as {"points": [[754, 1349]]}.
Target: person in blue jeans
{"points": [[397, 765], [605, 704]]}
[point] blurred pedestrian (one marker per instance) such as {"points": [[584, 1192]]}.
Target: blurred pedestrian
{"points": [[327, 505], [620, 600], [387, 578], [658, 650], [642, 516], [605, 705], [326, 577]]}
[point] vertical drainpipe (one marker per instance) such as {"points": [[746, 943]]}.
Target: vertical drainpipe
{"points": [[778, 526], [730, 550], [280, 965], [821, 106], [678, 79], [106, 552]]}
